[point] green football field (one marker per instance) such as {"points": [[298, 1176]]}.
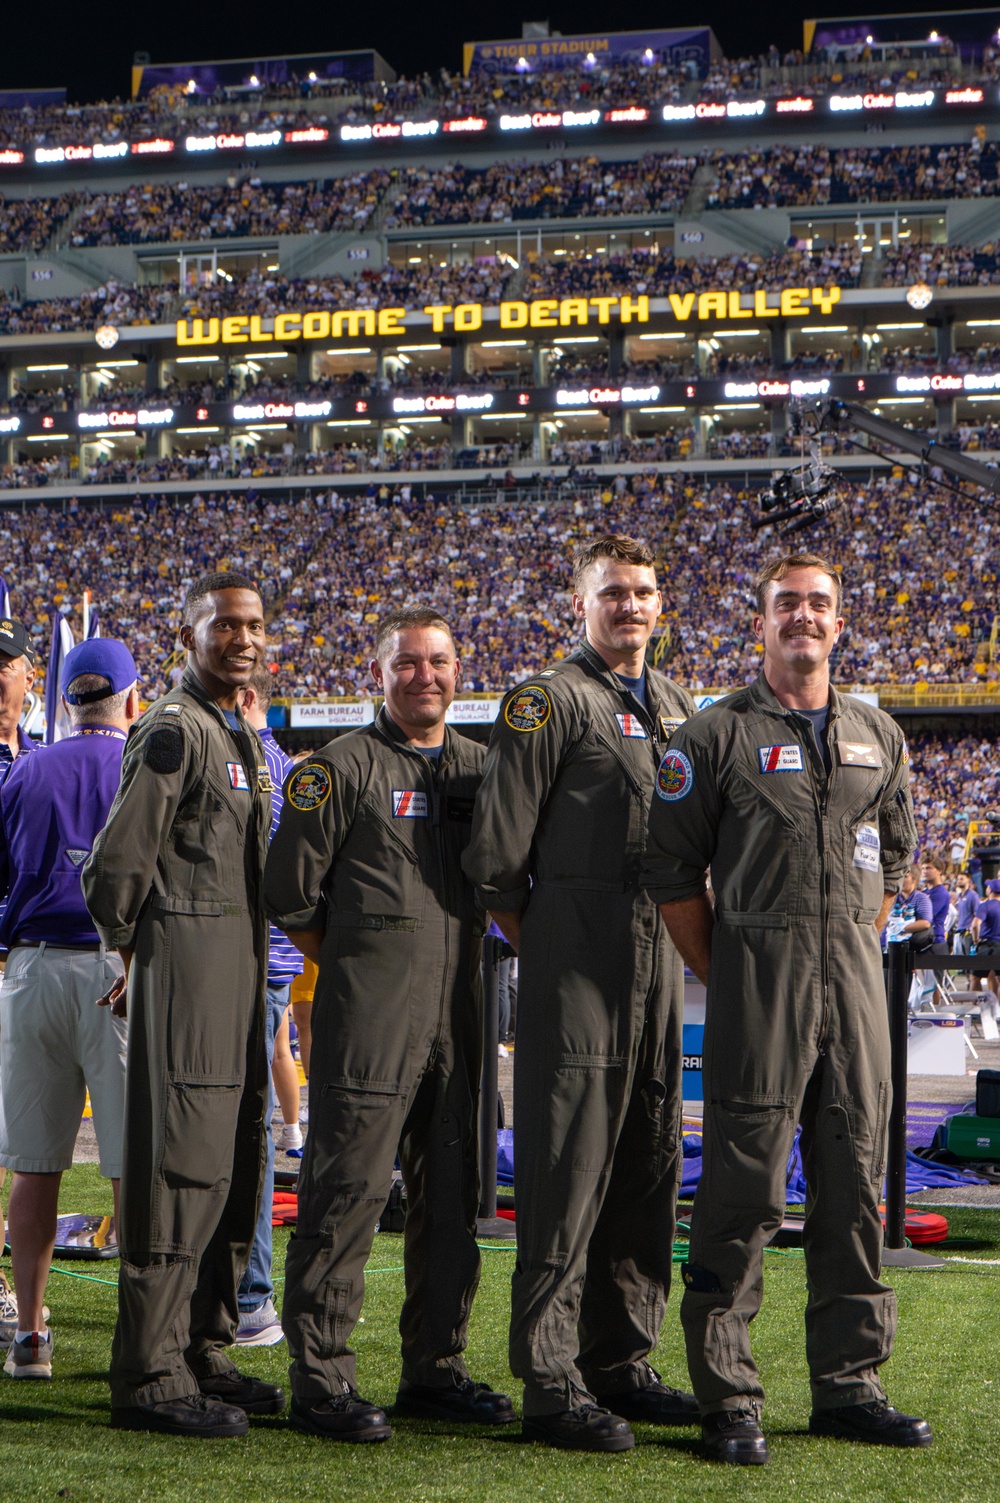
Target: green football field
{"points": [[55, 1441]]}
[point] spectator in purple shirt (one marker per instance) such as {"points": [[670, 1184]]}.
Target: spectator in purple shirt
{"points": [[54, 1042], [940, 898], [967, 907]]}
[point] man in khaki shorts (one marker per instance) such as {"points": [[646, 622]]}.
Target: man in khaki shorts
{"points": [[55, 1042]]}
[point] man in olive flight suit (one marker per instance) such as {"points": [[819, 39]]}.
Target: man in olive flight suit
{"points": [[174, 883], [797, 799], [556, 855], [364, 875]]}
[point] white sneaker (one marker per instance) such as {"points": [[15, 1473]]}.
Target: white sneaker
{"points": [[8, 1313], [30, 1358], [259, 1327], [291, 1137], [502, 1051]]}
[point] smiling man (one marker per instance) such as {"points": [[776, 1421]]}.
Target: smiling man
{"points": [[797, 800], [365, 877], [174, 884], [556, 854]]}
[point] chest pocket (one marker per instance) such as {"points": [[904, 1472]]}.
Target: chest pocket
{"points": [[386, 827]]}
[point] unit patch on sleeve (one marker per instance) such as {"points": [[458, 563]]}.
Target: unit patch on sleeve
{"points": [[409, 803], [631, 725], [164, 749], [528, 709], [308, 787], [238, 776], [858, 754], [675, 778], [780, 758]]}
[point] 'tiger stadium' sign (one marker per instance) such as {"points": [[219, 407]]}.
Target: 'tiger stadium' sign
{"points": [[467, 318]]}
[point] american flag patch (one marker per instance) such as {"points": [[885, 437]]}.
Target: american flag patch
{"points": [[238, 776], [631, 725], [409, 803], [780, 758]]}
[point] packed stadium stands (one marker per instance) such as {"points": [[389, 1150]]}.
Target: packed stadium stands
{"points": [[645, 219]]}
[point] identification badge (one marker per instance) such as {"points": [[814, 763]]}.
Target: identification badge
{"points": [[238, 776], [857, 754], [264, 779], [409, 803], [669, 724], [631, 725], [867, 848], [780, 758]]}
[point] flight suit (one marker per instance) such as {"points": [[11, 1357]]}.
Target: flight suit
{"points": [[560, 827], [368, 849], [176, 875], [796, 1027]]}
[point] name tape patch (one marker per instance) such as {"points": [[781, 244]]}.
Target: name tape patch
{"points": [[675, 777], [409, 803], [780, 758], [631, 725], [238, 776]]}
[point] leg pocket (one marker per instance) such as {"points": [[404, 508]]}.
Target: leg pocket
{"points": [[199, 1134], [881, 1131]]}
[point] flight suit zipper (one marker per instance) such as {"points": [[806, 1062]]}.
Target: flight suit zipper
{"points": [[823, 792]]}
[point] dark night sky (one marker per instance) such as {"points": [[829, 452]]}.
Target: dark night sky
{"points": [[94, 60]]}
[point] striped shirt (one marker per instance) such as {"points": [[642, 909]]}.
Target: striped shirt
{"points": [[284, 960]]}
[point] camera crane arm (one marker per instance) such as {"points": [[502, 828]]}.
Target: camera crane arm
{"points": [[835, 414], [795, 497]]}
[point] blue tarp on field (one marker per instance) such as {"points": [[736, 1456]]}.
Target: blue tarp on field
{"points": [[920, 1173]]}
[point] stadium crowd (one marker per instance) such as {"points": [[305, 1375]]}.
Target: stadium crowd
{"points": [[921, 592], [162, 212], [649, 81], [775, 177]]}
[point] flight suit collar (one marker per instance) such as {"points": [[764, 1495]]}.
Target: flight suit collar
{"points": [[192, 684], [765, 698], [391, 732], [650, 711]]}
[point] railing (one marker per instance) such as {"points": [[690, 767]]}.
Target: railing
{"points": [[660, 646], [936, 696]]}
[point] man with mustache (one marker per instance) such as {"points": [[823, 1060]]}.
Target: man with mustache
{"points": [[556, 854], [797, 800], [174, 884]]}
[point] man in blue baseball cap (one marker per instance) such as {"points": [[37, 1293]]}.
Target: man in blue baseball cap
{"points": [[55, 1043]]}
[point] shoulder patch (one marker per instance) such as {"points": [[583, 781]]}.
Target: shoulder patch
{"points": [[164, 749], [308, 787], [528, 709], [675, 777]]}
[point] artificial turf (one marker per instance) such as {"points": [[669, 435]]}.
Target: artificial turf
{"points": [[55, 1441]]}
